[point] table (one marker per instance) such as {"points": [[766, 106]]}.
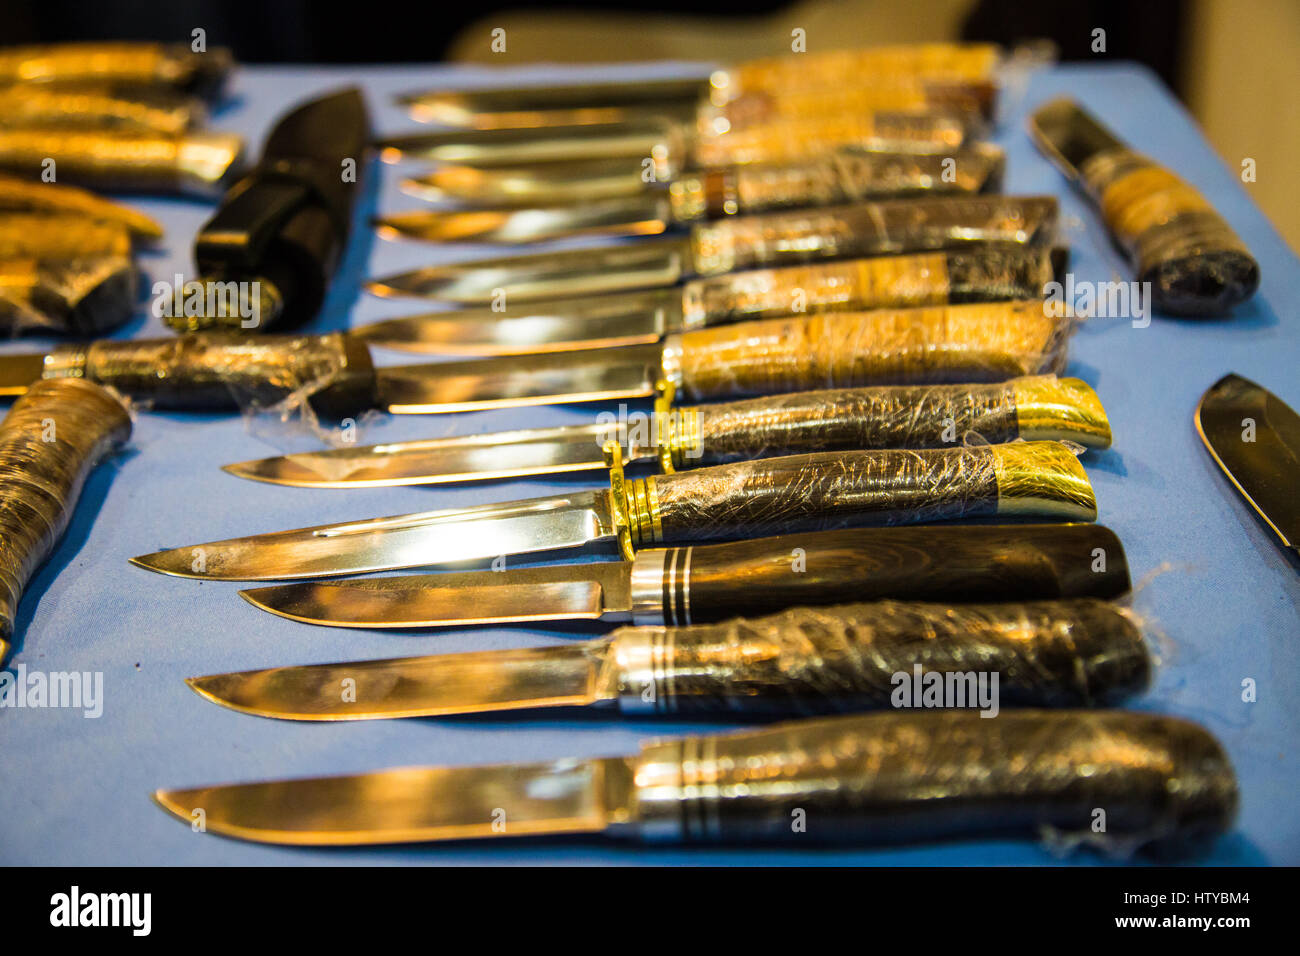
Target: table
{"points": [[1213, 583]]}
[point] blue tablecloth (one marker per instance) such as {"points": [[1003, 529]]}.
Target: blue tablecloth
{"points": [[1216, 587]]}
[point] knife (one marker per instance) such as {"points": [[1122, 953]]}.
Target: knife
{"points": [[1166, 784], [714, 582], [1255, 438], [1195, 263], [600, 99], [78, 297], [850, 176], [988, 272], [333, 373], [745, 242], [126, 64], [847, 175], [799, 663], [158, 111], [282, 228], [60, 236], [899, 416], [51, 199], [815, 492]]}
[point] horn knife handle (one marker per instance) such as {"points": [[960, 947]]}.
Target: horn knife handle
{"points": [[332, 372], [1165, 785], [829, 490], [840, 659], [704, 583], [985, 342], [49, 442]]}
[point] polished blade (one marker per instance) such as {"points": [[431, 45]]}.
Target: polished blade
{"points": [[566, 675], [574, 182], [625, 216], [643, 264], [512, 147], [18, 372], [484, 457], [560, 592], [1255, 438], [413, 804], [587, 322], [403, 541], [594, 375]]}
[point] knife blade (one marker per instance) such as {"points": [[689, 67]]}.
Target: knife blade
{"points": [[988, 272], [815, 492], [706, 583], [282, 228], [1195, 263], [1255, 438], [333, 373], [798, 663], [1166, 783], [928, 416], [745, 242]]}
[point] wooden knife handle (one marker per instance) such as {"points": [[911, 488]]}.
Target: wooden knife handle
{"points": [[49, 442], [982, 342], [198, 163], [829, 490], [850, 657], [1164, 785], [1194, 261], [987, 274], [951, 563], [225, 371]]}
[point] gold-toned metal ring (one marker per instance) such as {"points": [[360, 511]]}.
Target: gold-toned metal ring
{"points": [[618, 498], [664, 431]]}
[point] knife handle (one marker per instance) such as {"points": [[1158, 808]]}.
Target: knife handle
{"points": [[894, 416], [982, 342], [776, 74], [60, 236], [80, 297], [1194, 261], [120, 63], [1164, 785], [830, 490], [332, 372], [989, 274], [49, 442], [807, 661], [951, 563], [36, 104], [198, 163]]}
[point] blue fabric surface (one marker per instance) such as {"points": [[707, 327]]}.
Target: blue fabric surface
{"points": [[76, 790]]}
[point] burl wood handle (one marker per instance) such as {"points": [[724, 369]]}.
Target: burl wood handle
{"points": [[831, 490], [982, 342], [49, 442], [1165, 785], [845, 658], [1194, 261], [333, 372]]}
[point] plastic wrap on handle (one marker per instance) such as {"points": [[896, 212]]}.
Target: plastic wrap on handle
{"points": [[829, 490], [124, 63], [49, 442], [916, 94], [953, 61], [60, 236], [1164, 784], [199, 163], [965, 343], [843, 176], [790, 140], [870, 229], [30, 104], [216, 371], [840, 659], [1194, 261], [56, 199], [84, 297]]}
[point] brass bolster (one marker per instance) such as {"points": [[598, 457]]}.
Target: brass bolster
{"points": [[642, 504], [1051, 408], [681, 438], [1042, 478], [65, 361]]}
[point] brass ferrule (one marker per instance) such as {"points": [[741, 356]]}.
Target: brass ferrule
{"points": [[643, 663], [613, 453], [642, 508], [1042, 479], [670, 362], [687, 199], [65, 361], [1051, 408], [649, 570], [206, 161]]}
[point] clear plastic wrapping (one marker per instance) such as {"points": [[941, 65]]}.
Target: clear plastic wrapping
{"points": [[54, 236], [119, 63], [29, 104], [50, 199], [50, 440], [83, 297]]}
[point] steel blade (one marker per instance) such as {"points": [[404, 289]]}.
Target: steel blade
{"points": [[575, 182], [1255, 438], [402, 541], [514, 147], [17, 372], [646, 263], [623, 216], [594, 375], [413, 804], [484, 457], [566, 675], [561, 592], [553, 325]]}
